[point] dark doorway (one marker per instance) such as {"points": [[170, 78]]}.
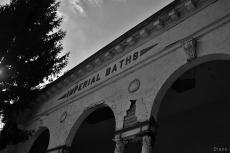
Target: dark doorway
{"points": [[95, 133], [41, 143], [195, 112]]}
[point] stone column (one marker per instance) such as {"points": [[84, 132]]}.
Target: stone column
{"points": [[146, 144], [119, 148]]}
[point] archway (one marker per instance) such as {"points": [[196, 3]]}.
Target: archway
{"points": [[194, 113], [41, 142], [95, 133]]}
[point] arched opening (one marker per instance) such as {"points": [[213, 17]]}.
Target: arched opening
{"points": [[95, 133], [40, 145], [194, 113]]}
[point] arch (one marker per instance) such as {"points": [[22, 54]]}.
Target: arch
{"points": [[40, 141], [193, 107], [81, 119], [177, 73]]}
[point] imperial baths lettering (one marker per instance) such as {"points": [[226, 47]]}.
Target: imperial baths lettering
{"points": [[123, 62], [127, 60], [82, 85], [107, 72]]}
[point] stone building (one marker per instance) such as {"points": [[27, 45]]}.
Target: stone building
{"points": [[163, 86]]}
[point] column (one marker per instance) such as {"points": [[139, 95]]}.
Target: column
{"points": [[146, 144], [119, 148]]}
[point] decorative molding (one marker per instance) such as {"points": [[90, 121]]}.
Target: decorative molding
{"points": [[134, 85], [89, 67], [130, 41], [145, 50], [173, 14], [72, 76], [98, 61], [118, 48], [190, 49], [63, 117], [108, 55], [80, 72], [189, 5], [144, 32], [158, 24]]}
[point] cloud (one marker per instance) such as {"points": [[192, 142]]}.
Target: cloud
{"points": [[77, 6], [81, 7]]}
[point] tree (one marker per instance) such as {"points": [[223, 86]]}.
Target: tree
{"points": [[30, 47]]}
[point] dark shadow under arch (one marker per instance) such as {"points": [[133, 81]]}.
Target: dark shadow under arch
{"points": [[93, 131]]}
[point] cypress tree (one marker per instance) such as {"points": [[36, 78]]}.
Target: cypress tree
{"points": [[30, 47]]}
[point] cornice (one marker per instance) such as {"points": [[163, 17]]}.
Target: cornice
{"points": [[153, 26]]}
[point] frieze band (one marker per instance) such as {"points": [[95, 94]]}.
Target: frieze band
{"points": [[126, 61]]}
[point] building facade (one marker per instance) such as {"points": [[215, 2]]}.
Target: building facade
{"points": [[160, 87]]}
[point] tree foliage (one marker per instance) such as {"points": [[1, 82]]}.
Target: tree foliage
{"points": [[30, 47]]}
